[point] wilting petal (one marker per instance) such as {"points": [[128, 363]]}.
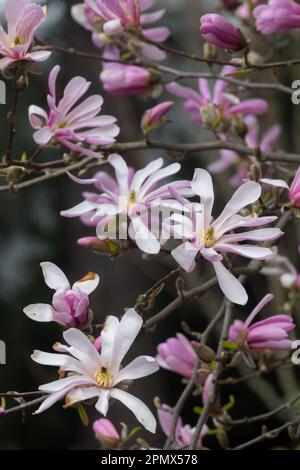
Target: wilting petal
{"points": [[88, 283]]}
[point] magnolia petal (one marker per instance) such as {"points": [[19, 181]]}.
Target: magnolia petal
{"points": [[88, 283], [185, 255], [54, 276], [230, 285], [40, 312], [128, 329], [103, 401], [203, 186], [139, 367], [138, 408]]}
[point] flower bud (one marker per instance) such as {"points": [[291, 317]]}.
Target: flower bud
{"points": [[106, 433], [155, 117], [217, 30]]}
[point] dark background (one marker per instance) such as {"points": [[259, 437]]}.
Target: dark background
{"points": [[33, 231]]}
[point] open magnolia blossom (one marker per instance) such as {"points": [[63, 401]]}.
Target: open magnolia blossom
{"points": [[210, 109], [69, 123], [113, 18], [271, 333], [133, 195], [23, 18], [70, 305], [184, 432], [212, 238], [94, 375]]}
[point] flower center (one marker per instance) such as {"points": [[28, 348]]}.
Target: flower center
{"points": [[16, 41], [208, 237], [132, 198], [103, 378]]}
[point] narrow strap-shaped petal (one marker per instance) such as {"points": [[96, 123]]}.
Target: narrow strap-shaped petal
{"points": [[138, 408]]}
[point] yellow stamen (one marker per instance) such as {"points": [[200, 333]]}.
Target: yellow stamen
{"points": [[103, 378], [209, 237], [132, 197]]}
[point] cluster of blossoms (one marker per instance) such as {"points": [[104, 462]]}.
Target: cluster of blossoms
{"points": [[150, 210], [17, 44]]}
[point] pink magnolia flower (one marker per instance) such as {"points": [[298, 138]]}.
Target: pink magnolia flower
{"points": [[294, 191], [105, 432], [94, 375], [211, 239], [184, 433], [271, 333], [23, 18], [253, 140], [130, 196], [211, 109], [178, 355], [155, 117], [72, 124], [217, 30], [112, 18], [70, 305], [125, 80], [277, 15]]}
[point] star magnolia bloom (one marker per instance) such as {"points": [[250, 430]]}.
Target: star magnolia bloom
{"points": [[178, 355], [294, 192], [72, 124], [131, 196], [271, 333], [184, 433], [23, 18], [277, 15], [106, 433], [253, 140], [212, 238], [70, 305], [94, 375], [112, 18], [217, 30], [210, 109]]}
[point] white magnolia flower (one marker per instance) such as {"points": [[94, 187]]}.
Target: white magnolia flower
{"points": [[70, 305], [212, 238], [95, 375]]}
